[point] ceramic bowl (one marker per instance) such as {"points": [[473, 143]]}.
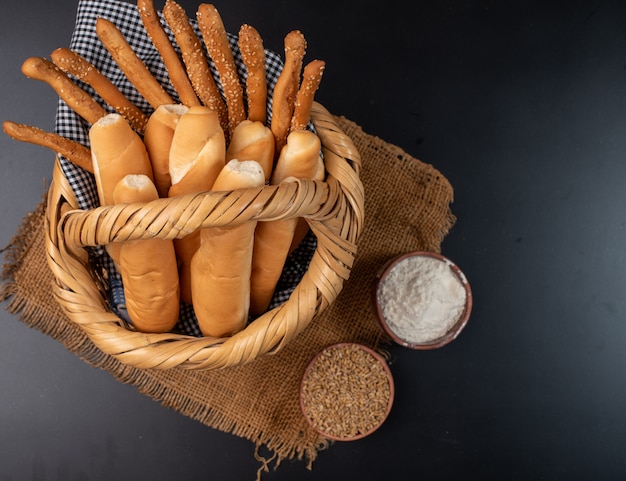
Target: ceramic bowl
{"points": [[410, 338], [343, 402]]}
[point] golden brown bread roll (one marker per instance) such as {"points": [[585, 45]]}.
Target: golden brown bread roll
{"points": [[148, 267], [220, 269], [299, 158], [197, 156], [253, 141], [158, 140], [116, 151]]}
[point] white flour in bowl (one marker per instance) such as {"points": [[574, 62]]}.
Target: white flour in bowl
{"points": [[421, 298]]}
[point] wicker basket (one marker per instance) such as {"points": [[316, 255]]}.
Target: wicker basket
{"points": [[333, 208]]}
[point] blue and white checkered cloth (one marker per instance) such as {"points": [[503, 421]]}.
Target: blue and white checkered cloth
{"points": [[68, 124]]}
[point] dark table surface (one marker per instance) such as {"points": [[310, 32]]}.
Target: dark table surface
{"points": [[522, 106]]}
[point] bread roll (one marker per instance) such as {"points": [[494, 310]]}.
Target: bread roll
{"points": [[116, 151], [299, 158], [197, 156], [253, 141], [148, 267], [158, 140], [220, 269]]}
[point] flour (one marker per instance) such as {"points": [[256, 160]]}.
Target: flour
{"points": [[421, 299]]}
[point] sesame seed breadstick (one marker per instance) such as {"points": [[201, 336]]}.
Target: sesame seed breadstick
{"points": [[286, 88], [311, 79], [218, 46], [173, 64], [76, 98], [73, 64], [253, 55], [195, 60], [71, 150], [132, 66]]}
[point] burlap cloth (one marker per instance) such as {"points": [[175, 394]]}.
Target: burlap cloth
{"points": [[407, 208]]}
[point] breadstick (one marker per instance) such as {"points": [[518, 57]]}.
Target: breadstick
{"points": [[195, 60], [286, 88], [173, 64], [76, 98], [71, 150], [73, 64], [217, 44], [253, 55], [132, 66], [311, 79]]}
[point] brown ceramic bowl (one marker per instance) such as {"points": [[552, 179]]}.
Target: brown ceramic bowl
{"points": [[341, 379], [442, 338]]}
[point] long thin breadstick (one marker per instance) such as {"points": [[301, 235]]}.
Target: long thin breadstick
{"points": [[253, 56], [217, 44], [73, 64], [73, 151], [286, 88], [195, 60], [311, 79], [173, 64], [76, 98], [132, 66]]}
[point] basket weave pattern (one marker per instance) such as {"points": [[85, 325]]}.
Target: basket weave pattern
{"points": [[333, 208]]}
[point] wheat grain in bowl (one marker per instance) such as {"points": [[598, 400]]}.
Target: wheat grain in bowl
{"points": [[347, 391], [422, 300]]}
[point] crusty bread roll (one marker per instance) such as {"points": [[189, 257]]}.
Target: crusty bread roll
{"points": [[302, 229], [299, 158], [148, 267], [116, 151], [220, 269], [252, 140], [197, 156], [158, 140]]}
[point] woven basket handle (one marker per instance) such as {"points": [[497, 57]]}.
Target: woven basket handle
{"points": [[176, 217]]}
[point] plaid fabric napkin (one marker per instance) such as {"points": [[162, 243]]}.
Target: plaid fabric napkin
{"points": [[85, 42]]}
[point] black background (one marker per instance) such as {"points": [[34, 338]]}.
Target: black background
{"points": [[522, 106]]}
